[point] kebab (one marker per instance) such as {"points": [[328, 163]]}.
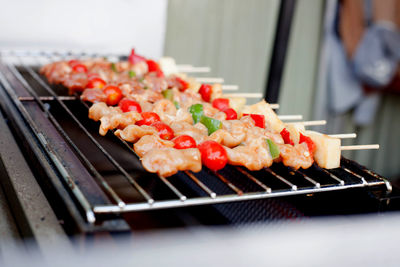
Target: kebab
{"points": [[126, 120]]}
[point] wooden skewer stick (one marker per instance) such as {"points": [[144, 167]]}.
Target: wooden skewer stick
{"points": [[274, 106], [290, 117], [360, 147], [183, 66], [193, 69], [229, 87], [310, 123], [46, 98], [246, 95], [210, 80], [343, 136]]}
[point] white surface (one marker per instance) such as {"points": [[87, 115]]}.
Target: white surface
{"points": [[108, 26], [343, 241]]}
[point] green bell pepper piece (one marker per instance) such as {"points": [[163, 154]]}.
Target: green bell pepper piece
{"points": [[197, 112], [132, 74], [273, 149], [168, 94], [177, 105], [211, 124], [114, 67]]}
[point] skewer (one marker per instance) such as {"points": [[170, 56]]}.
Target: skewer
{"points": [[310, 123], [182, 66], [246, 95], [191, 69], [360, 147], [209, 80], [46, 98], [343, 136], [230, 87], [274, 106], [290, 117]]}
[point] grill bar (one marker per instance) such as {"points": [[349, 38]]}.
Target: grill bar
{"points": [[68, 180], [109, 157], [201, 185], [165, 181], [254, 179], [292, 186], [100, 178], [214, 196], [223, 199], [315, 183], [228, 183]]}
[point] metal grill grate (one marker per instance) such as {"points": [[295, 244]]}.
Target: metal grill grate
{"points": [[70, 141]]}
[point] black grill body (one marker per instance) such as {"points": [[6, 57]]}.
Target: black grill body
{"points": [[97, 184]]}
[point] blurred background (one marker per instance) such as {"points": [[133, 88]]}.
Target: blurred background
{"points": [[340, 63], [322, 77]]}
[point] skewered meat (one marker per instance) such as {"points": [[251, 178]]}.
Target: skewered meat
{"points": [[149, 142], [131, 133], [296, 156], [198, 131], [233, 133], [168, 161], [118, 120], [99, 110], [254, 155]]}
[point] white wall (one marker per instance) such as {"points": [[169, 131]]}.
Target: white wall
{"points": [[100, 25]]}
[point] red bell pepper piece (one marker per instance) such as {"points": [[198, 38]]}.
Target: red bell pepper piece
{"points": [[221, 103], [133, 58], [286, 137], [154, 67], [259, 120], [183, 84], [205, 92], [230, 114], [309, 142]]}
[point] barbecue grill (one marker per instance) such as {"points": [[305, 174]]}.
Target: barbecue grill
{"points": [[97, 183]]}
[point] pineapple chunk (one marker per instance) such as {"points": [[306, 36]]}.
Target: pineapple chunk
{"points": [[168, 65], [327, 152], [216, 91], [237, 103]]}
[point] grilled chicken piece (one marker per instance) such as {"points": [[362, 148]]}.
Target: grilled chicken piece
{"points": [[157, 84], [150, 142], [99, 110], [254, 155], [146, 95], [198, 131], [165, 109], [56, 72], [94, 95], [131, 133], [76, 82], [233, 133], [118, 120], [296, 156], [168, 161]]}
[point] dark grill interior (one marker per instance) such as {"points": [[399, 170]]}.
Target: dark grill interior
{"points": [[104, 177]]}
